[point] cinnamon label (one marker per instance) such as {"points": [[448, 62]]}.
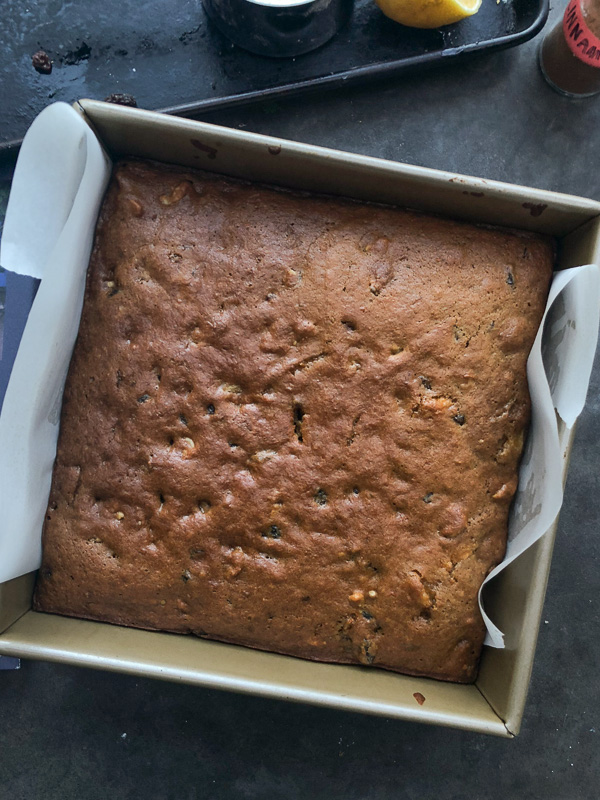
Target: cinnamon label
{"points": [[584, 44]]}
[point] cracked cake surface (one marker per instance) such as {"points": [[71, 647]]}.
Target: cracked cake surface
{"points": [[292, 422]]}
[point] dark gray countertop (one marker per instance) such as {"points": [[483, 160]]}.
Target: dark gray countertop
{"points": [[73, 734]]}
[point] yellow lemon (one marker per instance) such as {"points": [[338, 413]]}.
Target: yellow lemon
{"points": [[428, 13]]}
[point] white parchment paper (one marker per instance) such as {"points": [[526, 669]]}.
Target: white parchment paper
{"points": [[58, 185], [57, 189], [558, 372]]}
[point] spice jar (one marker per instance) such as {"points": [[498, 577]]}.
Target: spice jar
{"points": [[570, 53]]}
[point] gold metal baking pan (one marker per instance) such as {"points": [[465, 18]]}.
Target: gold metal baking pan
{"points": [[495, 703]]}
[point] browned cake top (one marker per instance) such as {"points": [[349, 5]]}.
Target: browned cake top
{"points": [[292, 422]]}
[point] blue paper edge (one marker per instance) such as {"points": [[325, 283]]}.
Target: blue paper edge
{"points": [[20, 294]]}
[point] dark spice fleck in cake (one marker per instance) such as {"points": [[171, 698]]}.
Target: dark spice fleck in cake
{"points": [[292, 422]]}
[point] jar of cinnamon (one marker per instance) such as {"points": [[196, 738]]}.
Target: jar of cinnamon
{"points": [[570, 53]]}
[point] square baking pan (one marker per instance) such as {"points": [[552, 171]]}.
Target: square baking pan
{"points": [[495, 702]]}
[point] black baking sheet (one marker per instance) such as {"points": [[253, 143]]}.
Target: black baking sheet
{"points": [[170, 56]]}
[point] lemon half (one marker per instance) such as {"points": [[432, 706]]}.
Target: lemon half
{"points": [[428, 13]]}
